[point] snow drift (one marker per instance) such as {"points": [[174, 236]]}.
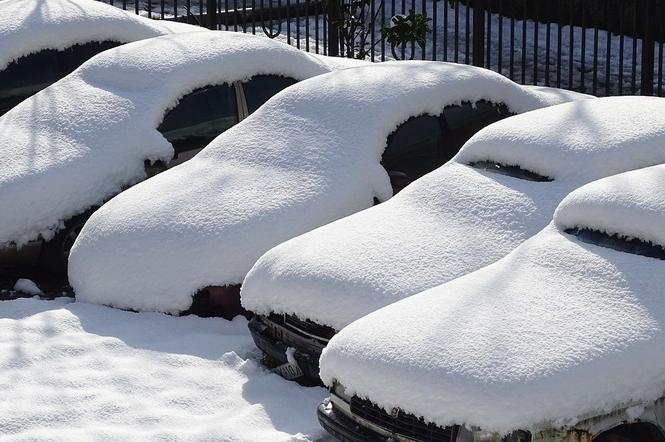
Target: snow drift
{"points": [[80, 372], [557, 329], [29, 26], [308, 156], [85, 138], [458, 218]]}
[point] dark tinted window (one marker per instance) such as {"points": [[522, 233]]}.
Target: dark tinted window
{"points": [[32, 73], [199, 117], [465, 120], [26, 76], [622, 244], [73, 57], [513, 171], [415, 148], [260, 88]]}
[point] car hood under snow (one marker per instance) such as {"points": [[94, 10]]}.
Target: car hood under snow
{"points": [[29, 26], [83, 139], [456, 219], [556, 330], [308, 156]]}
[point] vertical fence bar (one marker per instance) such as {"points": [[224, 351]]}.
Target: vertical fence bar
{"points": [[434, 25], [254, 17], [512, 44], [332, 35], [413, 44], [608, 50], [288, 21], [633, 84], [499, 55], [226, 14], [423, 49], [307, 25], [445, 30], [316, 26], [383, 24], [161, 9], [661, 39], [478, 33], [536, 25], [571, 46], [136, 7], [523, 67], [594, 77], [648, 47], [149, 8], [124, 5], [298, 24], [488, 42], [559, 41], [583, 48], [325, 15], [467, 31], [548, 47], [456, 37], [621, 45]]}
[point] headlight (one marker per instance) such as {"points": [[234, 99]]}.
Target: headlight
{"points": [[339, 390]]}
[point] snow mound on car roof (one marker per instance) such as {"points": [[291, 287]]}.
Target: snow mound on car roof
{"points": [[309, 156], [606, 134], [81, 140], [555, 330], [456, 219], [29, 26], [629, 205]]}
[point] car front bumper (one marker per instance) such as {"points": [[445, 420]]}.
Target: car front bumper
{"points": [[275, 339]]}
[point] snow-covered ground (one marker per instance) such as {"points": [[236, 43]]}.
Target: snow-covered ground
{"points": [[76, 371], [302, 33]]}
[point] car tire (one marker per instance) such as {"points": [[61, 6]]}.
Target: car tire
{"points": [[55, 253]]}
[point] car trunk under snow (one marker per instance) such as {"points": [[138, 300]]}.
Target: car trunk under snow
{"points": [[561, 339], [501, 189], [310, 155]]}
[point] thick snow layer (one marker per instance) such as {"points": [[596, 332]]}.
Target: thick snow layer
{"points": [[83, 139], [457, 219], [28, 26], [309, 156], [556, 330], [629, 205], [75, 371]]}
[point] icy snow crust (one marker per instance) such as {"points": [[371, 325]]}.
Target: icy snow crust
{"points": [[309, 156], [85, 138], [81, 372], [456, 219], [29, 26], [555, 330]]}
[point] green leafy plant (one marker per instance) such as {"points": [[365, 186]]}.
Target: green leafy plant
{"points": [[404, 29]]}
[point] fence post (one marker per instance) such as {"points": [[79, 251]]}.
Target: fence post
{"points": [[211, 6], [478, 32], [648, 47], [334, 10]]}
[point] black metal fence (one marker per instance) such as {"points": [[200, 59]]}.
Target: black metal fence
{"points": [[602, 47]]}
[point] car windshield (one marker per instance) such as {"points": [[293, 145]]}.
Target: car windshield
{"points": [[616, 242], [509, 170]]}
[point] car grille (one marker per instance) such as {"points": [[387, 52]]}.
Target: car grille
{"points": [[404, 424], [309, 327]]}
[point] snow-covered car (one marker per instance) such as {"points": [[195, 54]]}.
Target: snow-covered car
{"points": [[311, 155], [501, 189], [41, 41], [124, 115], [560, 340]]}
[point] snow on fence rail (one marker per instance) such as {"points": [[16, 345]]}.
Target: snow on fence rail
{"points": [[602, 47]]}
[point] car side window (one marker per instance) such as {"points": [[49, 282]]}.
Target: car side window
{"points": [[620, 243], [26, 76], [260, 88], [30, 74], [417, 147], [199, 117], [466, 119], [76, 55]]}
